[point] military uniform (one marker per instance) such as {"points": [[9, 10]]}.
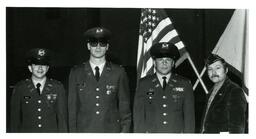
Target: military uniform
{"points": [[102, 106], [34, 112], [170, 110], [166, 107]]}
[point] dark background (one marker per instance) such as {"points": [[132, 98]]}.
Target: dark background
{"points": [[61, 30]]}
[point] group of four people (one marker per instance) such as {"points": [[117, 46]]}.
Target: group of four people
{"points": [[99, 96]]}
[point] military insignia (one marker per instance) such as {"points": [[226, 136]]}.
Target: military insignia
{"points": [[54, 96], [47, 89], [99, 30], [41, 52], [48, 96], [165, 45], [81, 86], [178, 89], [108, 92], [154, 80], [32, 89], [174, 80], [110, 89], [108, 68], [150, 95], [157, 85], [27, 97], [50, 85], [175, 98], [150, 92], [171, 85]]}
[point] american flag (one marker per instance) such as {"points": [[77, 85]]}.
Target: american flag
{"points": [[155, 26]]}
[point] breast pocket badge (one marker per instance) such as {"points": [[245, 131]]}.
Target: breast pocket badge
{"points": [[27, 98], [150, 95], [110, 89], [51, 97], [81, 86]]}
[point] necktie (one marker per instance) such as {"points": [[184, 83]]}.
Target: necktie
{"points": [[97, 73], [38, 85], [164, 82]]}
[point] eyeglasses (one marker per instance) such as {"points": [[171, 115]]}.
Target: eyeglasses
{"points": [[96, 43]]}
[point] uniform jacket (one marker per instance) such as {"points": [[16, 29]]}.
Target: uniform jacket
{"points": [[32, 112], [102, 106], [170, 110], [227, 110]]}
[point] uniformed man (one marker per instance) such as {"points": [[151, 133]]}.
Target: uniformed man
{"points": [[38, 103], [226, 103], [164, 101], [99, 99]]}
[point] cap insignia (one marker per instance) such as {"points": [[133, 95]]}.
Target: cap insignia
{"points": [[99, 30], [41, 52], [165, 45]]}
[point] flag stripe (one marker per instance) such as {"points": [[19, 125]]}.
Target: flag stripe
{"points": [[155, 27]]}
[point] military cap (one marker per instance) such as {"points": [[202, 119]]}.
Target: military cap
{"points": [[213, 58], [164, 49], [39, 56], [97, 33]]}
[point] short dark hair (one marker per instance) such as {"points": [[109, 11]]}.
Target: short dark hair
{"points": [[213, 58]]}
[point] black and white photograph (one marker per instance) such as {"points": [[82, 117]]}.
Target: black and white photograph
{"points": [[121, 69]]}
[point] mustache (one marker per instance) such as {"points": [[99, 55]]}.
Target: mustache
{"points": [[214, 76]]}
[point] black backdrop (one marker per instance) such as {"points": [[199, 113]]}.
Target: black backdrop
{"points": [[61, 29]]}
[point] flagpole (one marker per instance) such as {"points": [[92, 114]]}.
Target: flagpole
{"points": [[197, 81], [197, 74]]}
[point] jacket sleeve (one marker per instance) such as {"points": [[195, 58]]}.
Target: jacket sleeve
{"points": [[15, 112], [236, 111], [138, 110], [72, 102], [189, 110], [62, 109], [124, 103]]}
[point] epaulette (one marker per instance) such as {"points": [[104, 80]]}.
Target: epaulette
{"points": [[146, 77], [25, 82], [55, 81], [180, 78], [78, 66]]}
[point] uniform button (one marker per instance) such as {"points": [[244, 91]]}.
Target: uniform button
{"points": [[39, 117], [39, 109], [97, 97], [39, 101], [97, 104], [97, 89], [164, 97], [39, 125], [97, 112], [26, 102], [164, 105], [165, 122], [164, 114], [150, 97]]}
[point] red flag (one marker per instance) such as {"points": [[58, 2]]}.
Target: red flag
{"points": [[155, 26]]}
